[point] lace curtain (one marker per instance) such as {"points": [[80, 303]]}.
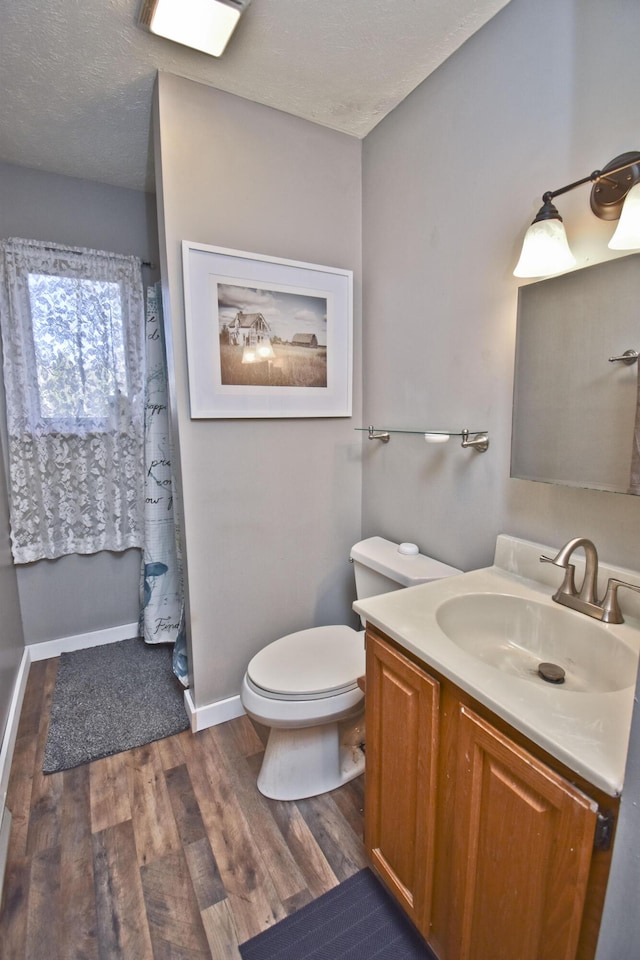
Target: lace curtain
{"points": [[72, 325]]}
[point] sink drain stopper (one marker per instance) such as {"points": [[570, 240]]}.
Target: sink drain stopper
{"points": [[551, 672]]}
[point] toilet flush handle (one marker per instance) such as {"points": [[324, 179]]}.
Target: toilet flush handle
{"points": [[409, 549]]}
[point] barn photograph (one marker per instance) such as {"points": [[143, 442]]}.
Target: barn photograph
{"points": [[271, 337]]}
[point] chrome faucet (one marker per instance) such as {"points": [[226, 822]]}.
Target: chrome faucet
{"points": [[585, 600]]}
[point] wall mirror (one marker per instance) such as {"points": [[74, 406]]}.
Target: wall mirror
{"points": [[574, 411]]}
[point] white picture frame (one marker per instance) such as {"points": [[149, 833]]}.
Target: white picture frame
{"points": [[266, 337]]}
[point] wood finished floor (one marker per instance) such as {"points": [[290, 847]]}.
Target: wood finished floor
{"points": [[167, 851]]}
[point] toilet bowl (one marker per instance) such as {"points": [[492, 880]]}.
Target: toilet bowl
{"points": [[304, 685]]}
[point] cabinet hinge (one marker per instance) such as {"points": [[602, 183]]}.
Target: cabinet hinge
{"points": [[604, 830]]}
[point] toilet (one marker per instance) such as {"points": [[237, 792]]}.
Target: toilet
{"points": [[304, 685]]}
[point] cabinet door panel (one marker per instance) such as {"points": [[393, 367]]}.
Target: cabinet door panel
{"points": [[401, 724], [522, 852]]}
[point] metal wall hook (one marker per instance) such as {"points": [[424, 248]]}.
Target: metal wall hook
{"points": [[378, 436], [628, 357], [480, 442]]}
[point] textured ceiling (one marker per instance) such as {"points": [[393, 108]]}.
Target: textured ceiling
{"points": [[76, 76]]}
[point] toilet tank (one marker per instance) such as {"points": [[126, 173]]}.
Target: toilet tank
{"points": [[380, 567]]}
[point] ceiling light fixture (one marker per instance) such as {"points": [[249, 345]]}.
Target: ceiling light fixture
{"points": [[615, 195], [204, 25]]}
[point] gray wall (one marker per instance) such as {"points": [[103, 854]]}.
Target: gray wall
{"points": [[451, 179], [68, 596], [620, 929], [11, 633], [271, 507], [11, 639]]}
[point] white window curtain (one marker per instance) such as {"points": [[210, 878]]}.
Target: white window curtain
{"points": [[72, 326]]}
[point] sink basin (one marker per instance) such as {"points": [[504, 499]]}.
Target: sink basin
{"points": [[487, 631], [514, 635]]}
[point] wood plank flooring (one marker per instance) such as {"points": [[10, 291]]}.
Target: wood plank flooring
{"points": [[165, 852]]}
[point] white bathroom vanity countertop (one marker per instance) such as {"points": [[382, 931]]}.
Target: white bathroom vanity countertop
{"points": [[586, 730]]}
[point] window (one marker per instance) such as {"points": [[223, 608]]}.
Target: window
{"points": [[73, 341], [79, 347]]}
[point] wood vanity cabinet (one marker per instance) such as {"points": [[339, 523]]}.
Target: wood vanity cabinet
{"points": [[480, 836], [402, 704]]}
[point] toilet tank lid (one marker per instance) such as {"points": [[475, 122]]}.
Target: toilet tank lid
{"points": [[382, 555]]}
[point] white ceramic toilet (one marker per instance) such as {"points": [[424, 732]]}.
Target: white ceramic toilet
{"points": [[304, 685]]}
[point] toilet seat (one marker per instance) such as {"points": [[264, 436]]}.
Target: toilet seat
{"points": [[304, 686], [309, 664]]}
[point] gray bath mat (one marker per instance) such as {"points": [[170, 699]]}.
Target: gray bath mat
{"points": [[356, 920], [112, 698]]}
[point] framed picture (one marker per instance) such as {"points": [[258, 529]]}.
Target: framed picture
{"points": [[266, 337]]}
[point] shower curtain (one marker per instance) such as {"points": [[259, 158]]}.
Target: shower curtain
{"points": [[162, 595]]}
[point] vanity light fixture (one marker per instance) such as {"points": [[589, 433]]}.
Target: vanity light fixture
{"points": [[204, 25], [615, 195]]}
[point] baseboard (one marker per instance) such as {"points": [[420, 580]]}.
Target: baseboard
{"points": [[6, 756], [11, 729], [81, 641], [212, 713], [5, 830]]}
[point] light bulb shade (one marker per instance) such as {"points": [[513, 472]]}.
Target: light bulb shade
{"points": [[545, 250], [627, 235]]}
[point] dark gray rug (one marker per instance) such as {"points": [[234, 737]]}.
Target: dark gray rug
{"points": [[356, 920], [112, 698]]}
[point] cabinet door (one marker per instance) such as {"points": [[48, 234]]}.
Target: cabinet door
{"points": [[522, 850], [401, 725]]}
